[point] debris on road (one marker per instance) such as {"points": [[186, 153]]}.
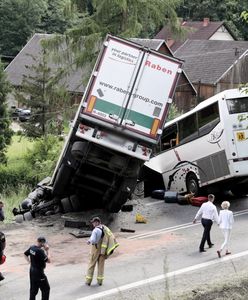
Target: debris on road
{"points": [[140, 219], [127, 230], [81, 234], [76, 224], [127, 208]]}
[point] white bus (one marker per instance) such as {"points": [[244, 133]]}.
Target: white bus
{"points": [[206, 148]]}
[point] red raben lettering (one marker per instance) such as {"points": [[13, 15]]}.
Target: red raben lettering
{"points": [[158, 67]]}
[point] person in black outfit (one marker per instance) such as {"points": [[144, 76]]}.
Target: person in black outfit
{"points": [[2, 246], [1, 212], [38, 255]]}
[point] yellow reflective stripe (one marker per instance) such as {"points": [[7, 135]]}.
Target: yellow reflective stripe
{"points": [[112, 248], [100, 277], [104, 246], [88, 277]]}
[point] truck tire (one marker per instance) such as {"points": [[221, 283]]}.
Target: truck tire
{"points": [[133, 169], [170, 197], [79, 149], [124, 190], [158, 194], [62, 179], [66, 204], [75, 203]]}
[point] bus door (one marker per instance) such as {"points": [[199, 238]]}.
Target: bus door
{"points": [[238, 110]]}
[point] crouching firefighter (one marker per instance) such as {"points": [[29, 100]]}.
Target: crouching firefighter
{"points": [[103, 244]]}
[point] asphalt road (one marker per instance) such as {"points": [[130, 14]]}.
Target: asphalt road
{"points": [[160, 258]]}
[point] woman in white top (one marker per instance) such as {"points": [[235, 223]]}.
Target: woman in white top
{"points": [[225, 222]]}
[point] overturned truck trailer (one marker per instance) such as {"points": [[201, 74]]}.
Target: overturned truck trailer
{"points": [[118, 122]]}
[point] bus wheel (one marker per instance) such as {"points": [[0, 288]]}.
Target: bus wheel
{"points": [[192, 184]]}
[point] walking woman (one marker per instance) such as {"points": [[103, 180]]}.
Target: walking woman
{"points": [[225, 222]]}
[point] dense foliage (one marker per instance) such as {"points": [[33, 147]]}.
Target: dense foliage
{"points": [[217, 10], [20, 19], [38, 163], [5, 131]]}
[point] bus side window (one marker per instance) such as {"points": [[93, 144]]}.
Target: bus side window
{"points": [[169, 137], [208, 118], [188, 129]]}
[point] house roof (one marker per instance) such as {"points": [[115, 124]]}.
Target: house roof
{"points": [[195, 30], [209, 60], [17, 68], [154, 44]]}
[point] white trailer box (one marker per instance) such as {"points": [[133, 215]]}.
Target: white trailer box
{"points": [[130, 90]]}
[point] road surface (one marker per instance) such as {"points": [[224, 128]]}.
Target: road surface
{"points": [[160, 257]]}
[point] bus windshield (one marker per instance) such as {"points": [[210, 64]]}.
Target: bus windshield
{"points": [[239, 105]]}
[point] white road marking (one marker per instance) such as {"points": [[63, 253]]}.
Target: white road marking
{"points": [[174, 228], [156, 202], [163, 276]]}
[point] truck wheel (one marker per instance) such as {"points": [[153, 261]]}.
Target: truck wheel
{"points": [[79, 150], [75, 203], [192, 184], [62, 179], [133, 169], [124, 190], [66, 204]]}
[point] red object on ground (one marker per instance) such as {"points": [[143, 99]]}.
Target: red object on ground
{"points": [[3, 258], [197, 201]]}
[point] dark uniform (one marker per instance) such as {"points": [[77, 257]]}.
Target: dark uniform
{"points": [[1, 214], [38, 279], [2, 246]]}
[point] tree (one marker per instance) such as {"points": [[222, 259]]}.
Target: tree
{"points": [[125, 18], [5, 131], [43, 92], [59, 16], [217, 10], [173, 112], [20, 19]]}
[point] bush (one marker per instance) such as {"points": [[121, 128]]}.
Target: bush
{"points": [[12, 198], [42, 158], [38, 163], [11, 178]]}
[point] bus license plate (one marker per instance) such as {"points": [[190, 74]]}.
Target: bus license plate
{"points": [[240, 136]]}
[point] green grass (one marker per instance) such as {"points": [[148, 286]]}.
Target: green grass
{"points": [[17, 150], [15, 154]]}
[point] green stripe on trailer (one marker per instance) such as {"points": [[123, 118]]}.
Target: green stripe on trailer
{"points": [[138, 118]]}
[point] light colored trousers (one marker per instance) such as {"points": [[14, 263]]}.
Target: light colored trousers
{"points": [[227, 235], [95, 258]]}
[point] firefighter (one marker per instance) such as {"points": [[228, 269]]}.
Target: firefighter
{"points": [[103, 244]]}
